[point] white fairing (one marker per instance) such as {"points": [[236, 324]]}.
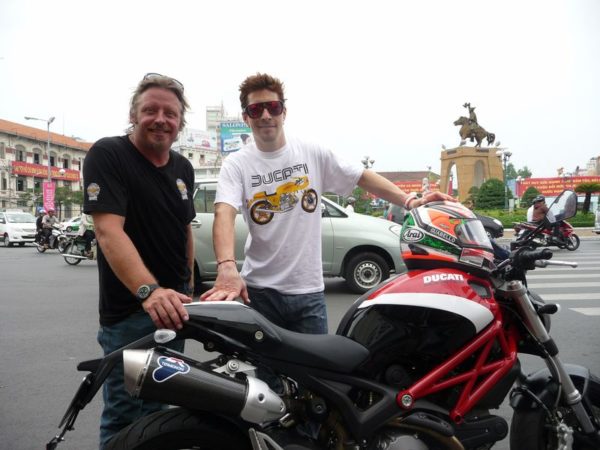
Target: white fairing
{"points": [[478, 314]]}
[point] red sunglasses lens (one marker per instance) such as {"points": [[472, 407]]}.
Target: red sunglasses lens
{"points": [[256, 110]]}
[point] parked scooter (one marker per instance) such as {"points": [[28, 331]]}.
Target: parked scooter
{"points": [[417, 363], [75, 252], [56, 241], [542, 234]]}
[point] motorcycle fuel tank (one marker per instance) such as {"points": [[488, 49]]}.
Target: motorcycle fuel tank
{"points": [[420, 317]]}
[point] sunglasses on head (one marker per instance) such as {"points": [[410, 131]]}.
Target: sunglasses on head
{"points": [[256, 110], [150, 76]]}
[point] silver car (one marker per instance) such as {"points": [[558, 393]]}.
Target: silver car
{"points": [[597, 221], [364, 250]]}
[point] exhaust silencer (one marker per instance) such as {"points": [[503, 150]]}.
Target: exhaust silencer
{"points": [[172, 378]]}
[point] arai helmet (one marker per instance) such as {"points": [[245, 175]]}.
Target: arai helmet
{"points": [[446, 234]]}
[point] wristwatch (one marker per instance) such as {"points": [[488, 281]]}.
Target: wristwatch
{"points": [[144, 291]]}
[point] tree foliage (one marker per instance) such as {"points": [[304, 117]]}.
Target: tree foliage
{"points": [[491, 194], [511, 172], [524, 172], [588, 189], [528, 196]]}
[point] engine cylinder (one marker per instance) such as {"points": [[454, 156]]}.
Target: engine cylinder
{"points": [[172, 378]]}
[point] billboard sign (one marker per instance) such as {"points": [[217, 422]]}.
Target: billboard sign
{"points": [[234, 135], [198, 139]]}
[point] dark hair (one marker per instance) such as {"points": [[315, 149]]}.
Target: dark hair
{"points": [[258, 82], [162, 82]]}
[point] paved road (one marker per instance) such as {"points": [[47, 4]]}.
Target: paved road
{"points": [[48, 320]]}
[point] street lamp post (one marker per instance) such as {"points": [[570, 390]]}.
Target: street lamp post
{"points": [[48, 122], [504, 157]]}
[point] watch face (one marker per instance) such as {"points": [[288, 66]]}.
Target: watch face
{"points": [[143, 292]]}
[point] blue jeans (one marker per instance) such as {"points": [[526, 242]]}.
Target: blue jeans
{"points": [[120, 409], [304, 313]]}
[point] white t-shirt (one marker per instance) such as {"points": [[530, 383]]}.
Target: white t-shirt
{"points": [[279, 195]]}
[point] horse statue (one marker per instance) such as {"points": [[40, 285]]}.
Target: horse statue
{"points": [[473, 131]]}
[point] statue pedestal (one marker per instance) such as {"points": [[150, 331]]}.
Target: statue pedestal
{"points": [[474, 165]]}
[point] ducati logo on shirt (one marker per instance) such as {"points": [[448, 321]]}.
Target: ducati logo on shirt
{"points": [[182, 189], [263, 206]]}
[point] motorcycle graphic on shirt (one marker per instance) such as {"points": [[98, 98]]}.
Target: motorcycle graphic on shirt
{"points": [[263, 206]]}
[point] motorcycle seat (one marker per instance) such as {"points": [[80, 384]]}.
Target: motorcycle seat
{"points": [[242, 323]]}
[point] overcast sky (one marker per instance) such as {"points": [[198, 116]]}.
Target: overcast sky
{"points": [[380, 78]]}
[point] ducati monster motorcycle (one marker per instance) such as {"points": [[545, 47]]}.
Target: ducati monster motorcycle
{"points": [[417, 363]]}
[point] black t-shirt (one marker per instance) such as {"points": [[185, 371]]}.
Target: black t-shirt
{"points": [[157, 205]]}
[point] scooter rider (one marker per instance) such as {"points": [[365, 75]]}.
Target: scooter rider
{"points": [[48, 222], [38, 224], [538, 211], [86, 231]]}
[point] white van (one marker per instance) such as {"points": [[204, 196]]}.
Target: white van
{"points": [[16, 227]]}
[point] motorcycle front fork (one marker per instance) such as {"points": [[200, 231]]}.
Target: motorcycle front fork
{"points": [[571, 395]]}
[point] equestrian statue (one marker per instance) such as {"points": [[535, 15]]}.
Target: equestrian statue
{"points": [[470, 129]]}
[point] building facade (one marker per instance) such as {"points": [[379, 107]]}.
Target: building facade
{"points": [[25, 164]]}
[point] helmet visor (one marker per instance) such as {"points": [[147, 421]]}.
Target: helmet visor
{"points": [[470, 233]]}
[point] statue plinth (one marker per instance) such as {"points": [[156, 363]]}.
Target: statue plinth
{"points": [[474, 165]]}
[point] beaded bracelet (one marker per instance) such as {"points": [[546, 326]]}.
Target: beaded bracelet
{"points": [[409, 199]]}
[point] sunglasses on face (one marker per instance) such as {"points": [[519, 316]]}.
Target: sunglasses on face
{"points": [[256, 110], [150, 76]]}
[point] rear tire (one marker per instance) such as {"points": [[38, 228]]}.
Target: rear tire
{"points": [[365, 271], [69, 249], [179, 428]]}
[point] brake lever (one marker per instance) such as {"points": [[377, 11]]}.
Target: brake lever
{"points": [[546, 262]]}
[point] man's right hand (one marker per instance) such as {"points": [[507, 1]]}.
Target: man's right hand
{"points": [[228, 285], [165, 307]]}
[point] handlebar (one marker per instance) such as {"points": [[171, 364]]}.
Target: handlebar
{"points": [[526, 257]]}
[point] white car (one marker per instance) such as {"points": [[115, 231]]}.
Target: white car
{"points": [[362, 249], [16, 227], [72, 225], [597, 221]]}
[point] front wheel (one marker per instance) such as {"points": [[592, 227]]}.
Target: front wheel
{"points": [[179, 428], [573, 242], [62, 244], [365, 271], [6, 241]]}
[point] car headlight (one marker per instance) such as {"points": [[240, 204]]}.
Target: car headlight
{"points": [[396, 229]]}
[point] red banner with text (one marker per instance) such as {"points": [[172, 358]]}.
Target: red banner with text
{"points": [[48, 191], [552, 187], [40, 171]]}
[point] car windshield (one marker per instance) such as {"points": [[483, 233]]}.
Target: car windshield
{"points": [[20, 218]]}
